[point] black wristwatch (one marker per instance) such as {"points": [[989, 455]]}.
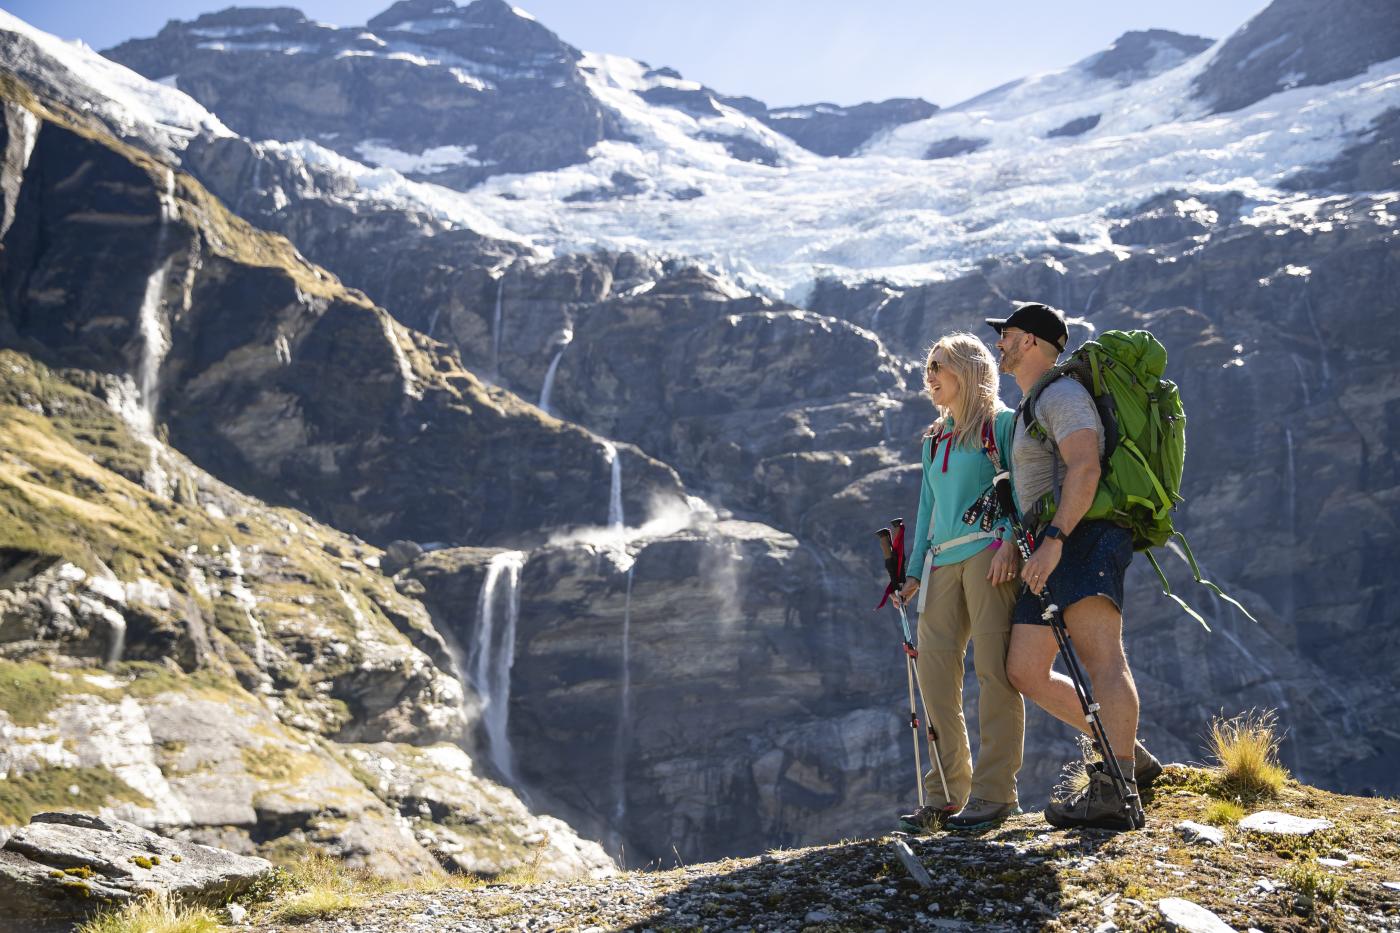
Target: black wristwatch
{"points": [[1053, 532]]}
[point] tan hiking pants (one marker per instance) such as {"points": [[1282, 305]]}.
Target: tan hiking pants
{"points": [[962, 604]]}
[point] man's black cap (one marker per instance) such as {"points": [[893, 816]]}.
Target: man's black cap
{"points": [[1038, 319]]}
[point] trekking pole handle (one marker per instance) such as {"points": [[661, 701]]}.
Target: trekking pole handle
{"points": [[886, 542]]}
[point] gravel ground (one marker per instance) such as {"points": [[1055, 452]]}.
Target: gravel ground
{"points": [[1020, 876]]}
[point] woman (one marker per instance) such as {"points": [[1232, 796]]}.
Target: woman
{"points": [[967, 577]]}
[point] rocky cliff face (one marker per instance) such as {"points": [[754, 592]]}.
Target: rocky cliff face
{"points": [[1293, 43]]}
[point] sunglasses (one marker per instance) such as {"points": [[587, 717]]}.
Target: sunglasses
{"points": [[934, 366]]}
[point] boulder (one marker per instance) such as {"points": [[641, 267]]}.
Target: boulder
{"points": [[1272, 823], [66, 865], [1189, 917]]}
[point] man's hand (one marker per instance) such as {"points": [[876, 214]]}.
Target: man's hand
{"points": [[1042, 563], [911, 589], [1005, 563]]}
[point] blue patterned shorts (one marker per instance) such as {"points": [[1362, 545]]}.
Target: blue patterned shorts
{"points": [[1093, 563]]}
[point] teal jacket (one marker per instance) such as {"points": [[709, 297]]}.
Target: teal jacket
{"points": [[954, 477]]}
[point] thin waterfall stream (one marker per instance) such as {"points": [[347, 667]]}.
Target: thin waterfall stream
{"points": [[492, 655]]}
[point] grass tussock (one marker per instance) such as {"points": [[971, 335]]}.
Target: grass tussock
{"points": [[1307, 877], [157, 914], [318, 886], [1245, 748], [1223, 813], [1074, 774]]}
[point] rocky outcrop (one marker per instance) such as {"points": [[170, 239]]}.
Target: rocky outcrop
{"points": [[63, 866], [468, 822], [1142, 53], [831, 130], [1293, 43], [206, 672], [440, 91]]}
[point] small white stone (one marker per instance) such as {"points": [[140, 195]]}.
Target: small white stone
{"points": [[1333, 862], [1181, 914], [818, 916], [237, 913], [1282, 824], [1393, 885], [1200, 833]]}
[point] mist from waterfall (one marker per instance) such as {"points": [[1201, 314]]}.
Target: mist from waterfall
{"points": [[492, 655]]}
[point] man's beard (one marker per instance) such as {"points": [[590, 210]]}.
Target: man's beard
{"points": [[1010, 359]]}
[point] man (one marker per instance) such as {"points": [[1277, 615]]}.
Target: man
{"points": [[1082, 562]]}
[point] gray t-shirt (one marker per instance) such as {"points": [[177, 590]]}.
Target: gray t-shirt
{"points": [[1064, 407]]}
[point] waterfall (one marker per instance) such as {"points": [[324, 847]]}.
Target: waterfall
{"points": [[1317, 335], [432, 321], [623, 734], [566, 338], [154, 344], [1302, 379], [492, 655], [496, 327], [117, 647], [615, 516]]}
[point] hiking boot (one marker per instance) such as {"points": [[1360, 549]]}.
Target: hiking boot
{"points": [[1097, 806], [926, 819], [980, 814], [1146, 768]]}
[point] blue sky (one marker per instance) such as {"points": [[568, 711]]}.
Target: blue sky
{"points": [[781, 51]]}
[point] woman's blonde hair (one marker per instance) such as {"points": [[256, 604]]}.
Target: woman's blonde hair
{"points": [[976, 370]]}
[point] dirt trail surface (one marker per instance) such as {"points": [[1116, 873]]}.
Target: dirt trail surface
{"points": [[1020, 876]]}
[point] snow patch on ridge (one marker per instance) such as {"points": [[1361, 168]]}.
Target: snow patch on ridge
{"points": [[127, 99], [434, 159]]}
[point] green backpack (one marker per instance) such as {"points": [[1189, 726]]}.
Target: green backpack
{"points": [[1144, 443]]}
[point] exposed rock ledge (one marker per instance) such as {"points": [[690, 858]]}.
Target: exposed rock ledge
{"points": [[63, 866]]}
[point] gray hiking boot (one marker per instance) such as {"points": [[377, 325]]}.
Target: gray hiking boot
{"points": [[926, 819], [1097, 806], [1146, 768], [981, 814]]}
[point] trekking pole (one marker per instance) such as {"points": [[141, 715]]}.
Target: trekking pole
{"points": [[892, 545], [1050, 612]]}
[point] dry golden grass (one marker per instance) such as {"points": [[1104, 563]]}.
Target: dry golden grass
{"points": [[1246, 750], [157, 914], [1074, 775], [322, 887]]}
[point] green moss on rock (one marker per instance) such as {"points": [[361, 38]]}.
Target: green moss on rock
{"points": [[24, 794]]}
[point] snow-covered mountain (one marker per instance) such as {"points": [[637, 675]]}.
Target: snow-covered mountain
{"points": [[665, 165]]}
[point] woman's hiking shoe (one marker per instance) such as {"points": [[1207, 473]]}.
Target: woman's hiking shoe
{"points": [[926, 819], [1146, 768], [1097, 806], [980, 814]]}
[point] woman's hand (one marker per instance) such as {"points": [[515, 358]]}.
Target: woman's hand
{"points": [[1006, 563], [911, 589]]}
